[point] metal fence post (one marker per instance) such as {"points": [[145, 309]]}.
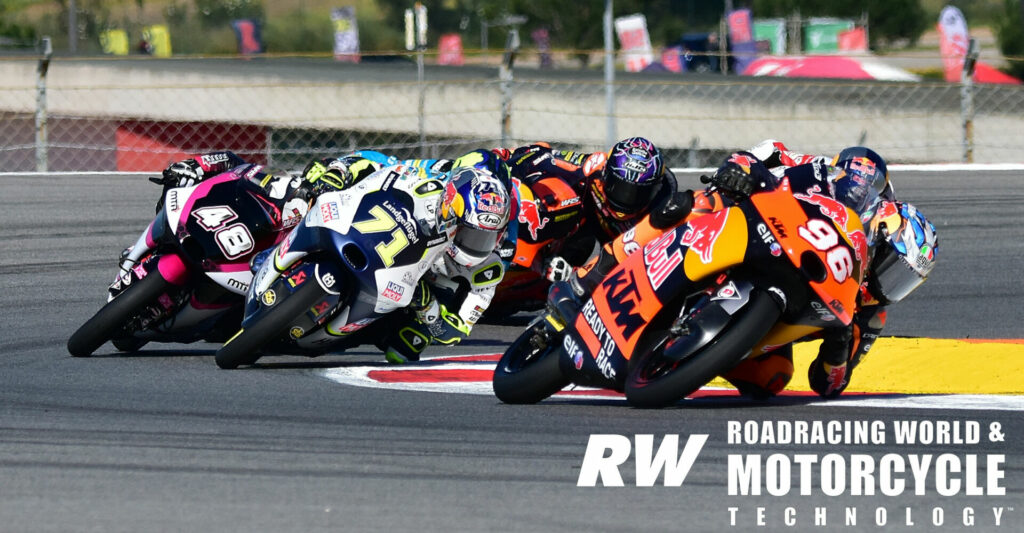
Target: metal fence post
{"points": [[505, 76], [609, 74], [42, 157], [422, 105], [967, 100]]}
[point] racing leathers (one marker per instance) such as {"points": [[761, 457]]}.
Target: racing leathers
{"points": [[564, 182], [777, 157], [842, 348]]}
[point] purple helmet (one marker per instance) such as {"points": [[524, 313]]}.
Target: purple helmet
{"points": [[631, 179]]}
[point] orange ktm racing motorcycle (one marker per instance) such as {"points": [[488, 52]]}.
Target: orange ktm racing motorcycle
{"points": [[696, 300]]}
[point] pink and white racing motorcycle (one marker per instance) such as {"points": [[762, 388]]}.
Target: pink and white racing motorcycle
{"points": [[186, 277]]}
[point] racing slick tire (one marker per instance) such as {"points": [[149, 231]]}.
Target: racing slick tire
{"points": [[656, 381], [244, 347], [109, 320], [527, 372]]}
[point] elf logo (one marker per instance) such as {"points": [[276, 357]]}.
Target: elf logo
{"points": [[599, 463]]}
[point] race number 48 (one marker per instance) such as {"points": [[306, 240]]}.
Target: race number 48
{"points": [[823, 236], [235, 240]]}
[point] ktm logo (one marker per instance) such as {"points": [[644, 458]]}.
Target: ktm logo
{"points": [[623, 299]]}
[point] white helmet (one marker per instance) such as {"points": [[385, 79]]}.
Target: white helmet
{"points": [[906, 254]]}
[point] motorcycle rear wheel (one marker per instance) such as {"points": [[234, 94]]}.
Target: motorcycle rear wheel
{"points": [[526, 374], [657, 382], [244, 347], [111, 317]]}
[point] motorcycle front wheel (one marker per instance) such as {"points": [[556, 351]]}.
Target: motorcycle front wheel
{"points": [[528, 371], [657, 381], [108, 321], [244, 348]]}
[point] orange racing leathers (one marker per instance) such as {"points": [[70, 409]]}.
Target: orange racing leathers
{"points": [[567, 179]]}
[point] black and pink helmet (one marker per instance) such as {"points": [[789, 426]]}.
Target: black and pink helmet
{"points": [[631, 179]]}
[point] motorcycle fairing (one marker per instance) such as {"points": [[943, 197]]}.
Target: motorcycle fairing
{"points": [[365, 245], [790, 221], [632, 295], [548, 210]]}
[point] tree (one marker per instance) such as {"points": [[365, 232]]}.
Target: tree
{"points": [[1011, 35]]}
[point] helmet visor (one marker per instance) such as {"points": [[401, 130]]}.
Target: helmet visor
{"points": [[475, 241], [895, 277], [859, 189], [629, 197]]}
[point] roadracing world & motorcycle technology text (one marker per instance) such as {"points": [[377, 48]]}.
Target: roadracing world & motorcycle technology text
{"points": [[868, 471]]}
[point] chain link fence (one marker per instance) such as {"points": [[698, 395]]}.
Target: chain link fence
{"points": [[141, 115]]}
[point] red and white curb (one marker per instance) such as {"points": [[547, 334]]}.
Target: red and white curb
{"points": [[471, 374]]}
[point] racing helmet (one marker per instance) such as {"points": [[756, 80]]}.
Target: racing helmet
{"points": [[488, 161], [631, 179], [905, 253], [859, 153], [474, 211], [858, 183]]}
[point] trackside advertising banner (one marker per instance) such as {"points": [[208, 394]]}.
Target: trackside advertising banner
{"points": [[635, 42], [953, 41], [346, 34]]}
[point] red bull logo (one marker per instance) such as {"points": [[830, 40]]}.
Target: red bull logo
{"points": [[491, 202], [530, 215], [860, 245], [830, 207], [702, 233], [451, 206], [836, 378], [863, 164], [742, 160]]}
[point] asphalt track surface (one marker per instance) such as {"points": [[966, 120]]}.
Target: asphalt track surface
{"points": [[162, 440]]}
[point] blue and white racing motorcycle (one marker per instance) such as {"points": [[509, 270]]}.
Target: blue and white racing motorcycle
{"points": [[356, 257]]}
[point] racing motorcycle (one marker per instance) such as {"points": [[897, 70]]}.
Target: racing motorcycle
{"points": [[696, 301], [357, 256], [548, 213], [185, 278]]}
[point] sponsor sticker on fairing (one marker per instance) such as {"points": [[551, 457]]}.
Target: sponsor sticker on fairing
{"points": [[393, 292], [329, 211], [702, 233]]}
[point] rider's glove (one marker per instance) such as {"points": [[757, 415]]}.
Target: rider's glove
{"points": [[183, 174], [732, 179], [326, 174], [557, 269]]}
